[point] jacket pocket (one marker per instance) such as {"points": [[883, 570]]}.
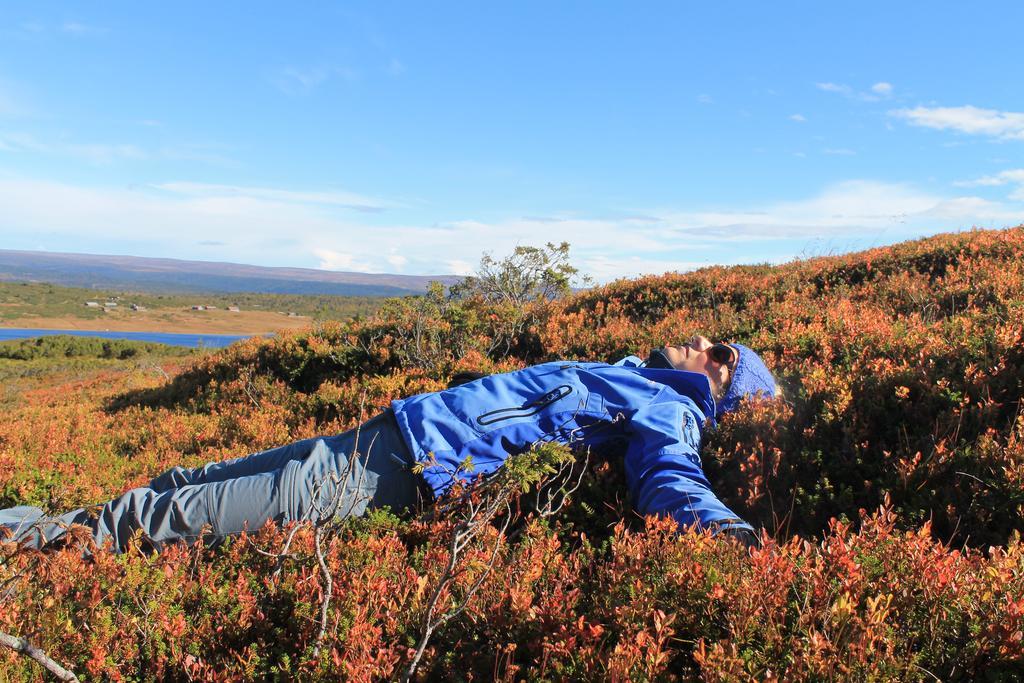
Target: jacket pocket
{"points": [[525, 410]]}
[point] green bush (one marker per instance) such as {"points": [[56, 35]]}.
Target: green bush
{"points": [[71, 346]]}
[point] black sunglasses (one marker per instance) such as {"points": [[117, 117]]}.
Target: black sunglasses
{"points": [[723, 354]]}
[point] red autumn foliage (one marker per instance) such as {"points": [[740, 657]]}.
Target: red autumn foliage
{"points": [[889, 481]]}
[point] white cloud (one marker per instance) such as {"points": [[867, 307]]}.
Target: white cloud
{"points": [[337, 198], [71, 27], [336, 260], [105, 154], [260, 226], [799, 118], [879, 91], [101, 154], [1003, 125], [397, 260], [271, 226], [96, 153], [298, 81], [1013, 176], [850, 208], [459, 267], [705, 99], [836, 88], [79, 29], [604, 268], [12, 141], [838, 151]]}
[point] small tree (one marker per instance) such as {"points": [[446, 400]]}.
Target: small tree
{"points": [[491, 312], [518, 290], [529, 274], [428, 331]]}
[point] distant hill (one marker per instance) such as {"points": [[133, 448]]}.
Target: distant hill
{"points": [[175, 275]]}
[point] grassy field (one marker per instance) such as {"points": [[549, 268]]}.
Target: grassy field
{"points": [[41, 305]]}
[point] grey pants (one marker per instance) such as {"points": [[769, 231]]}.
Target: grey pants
{"points": [[305, 480]]}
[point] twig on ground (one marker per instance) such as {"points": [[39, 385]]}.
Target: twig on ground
{"points": [[23, 647], [475, 518], [563, 483], [326, 525]]}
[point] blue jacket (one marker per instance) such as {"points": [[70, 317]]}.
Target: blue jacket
{"points": [[659, 413]]}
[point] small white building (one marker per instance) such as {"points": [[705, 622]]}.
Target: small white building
{"points": [[234, 309], [199, 308], [137, 307], [92, 304]]}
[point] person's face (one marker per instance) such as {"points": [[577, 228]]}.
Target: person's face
{"points": [[701, 355]]}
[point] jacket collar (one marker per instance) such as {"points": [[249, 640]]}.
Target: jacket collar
{"points": [[694, 385]]}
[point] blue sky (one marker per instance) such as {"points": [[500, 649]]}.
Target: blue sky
{"points": [[411, 137]]}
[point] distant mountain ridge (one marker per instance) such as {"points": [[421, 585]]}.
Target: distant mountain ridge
{"points": [[177, 275]]}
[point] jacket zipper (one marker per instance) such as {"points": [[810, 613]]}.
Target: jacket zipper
{"points": [[525, 410]]}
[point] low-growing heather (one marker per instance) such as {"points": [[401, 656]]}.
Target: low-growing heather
{"points": [[889, 481]]}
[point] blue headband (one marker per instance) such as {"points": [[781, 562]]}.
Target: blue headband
{"points": [[750, 376]]}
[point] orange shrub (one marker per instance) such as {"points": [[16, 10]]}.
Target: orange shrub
{"points": [[902, 369]]}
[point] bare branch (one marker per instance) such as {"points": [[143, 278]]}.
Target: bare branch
{"points": [[23, 647], [475, 510], [564, 486], [249, 392], [284, 554], [325, 526], [327, 591], [157, 368], [483, 574]]}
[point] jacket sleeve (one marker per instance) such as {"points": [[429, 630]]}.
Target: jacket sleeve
{"points": [[663, 468]]}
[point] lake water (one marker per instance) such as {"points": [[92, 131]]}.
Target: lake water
{"points": [[208, 341]]}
